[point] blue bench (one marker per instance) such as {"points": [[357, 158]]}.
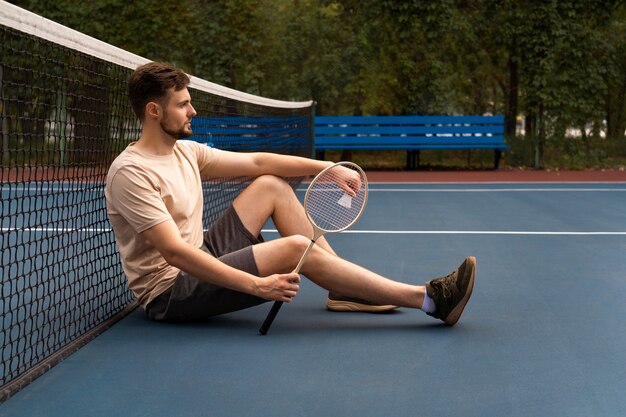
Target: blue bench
{"points": [[248, 133], [410, 133]]}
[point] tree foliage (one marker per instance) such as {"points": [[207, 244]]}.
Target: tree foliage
{"points": [[561, 64]]}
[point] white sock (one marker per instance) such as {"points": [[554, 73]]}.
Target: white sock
{"points": [[428, 306]]}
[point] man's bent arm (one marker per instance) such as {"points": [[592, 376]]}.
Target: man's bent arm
{"points": [[165, 237]]}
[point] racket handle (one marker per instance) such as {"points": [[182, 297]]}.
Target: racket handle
{"points": [[278, 304], [270, 317]]}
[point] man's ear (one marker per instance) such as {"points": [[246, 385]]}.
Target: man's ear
{"points": [[153, 110]]}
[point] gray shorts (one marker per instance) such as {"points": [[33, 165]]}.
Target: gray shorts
{"points": [[191, 299]]}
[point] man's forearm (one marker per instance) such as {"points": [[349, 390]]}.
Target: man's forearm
{"points": [[203, 266], [287, 165], [277, 287]]}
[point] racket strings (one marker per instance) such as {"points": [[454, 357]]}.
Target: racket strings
{"points": [[329, 206]]}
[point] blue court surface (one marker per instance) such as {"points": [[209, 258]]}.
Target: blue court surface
{"points": [[543, 335]]}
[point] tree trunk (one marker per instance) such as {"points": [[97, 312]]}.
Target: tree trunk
{"points": [[530, 132], [541, 137], [616, 112], [510, 117]]}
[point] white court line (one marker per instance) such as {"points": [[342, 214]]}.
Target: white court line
{"points": [[488, 190], [494, 190], [360, 232], [471, 232], [83, 187], [56, 230], [496, 182]]}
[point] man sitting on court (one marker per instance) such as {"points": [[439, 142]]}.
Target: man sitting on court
{"points": [[179, 273]]}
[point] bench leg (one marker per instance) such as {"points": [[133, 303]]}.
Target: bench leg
{"points": [[412, 158], [320, 154], [496, 159]]}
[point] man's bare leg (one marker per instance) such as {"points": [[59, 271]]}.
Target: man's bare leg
{"points": [[334, 273], [270, 196], [446, 296]]}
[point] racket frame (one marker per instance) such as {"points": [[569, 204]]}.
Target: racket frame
{"points": [[318, 231]]}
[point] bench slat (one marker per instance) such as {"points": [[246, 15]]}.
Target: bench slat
{"points": [[407, 120], [406, 144], [376, 130], [425, 146]]}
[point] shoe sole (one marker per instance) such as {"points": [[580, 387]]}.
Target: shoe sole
{"points": [[455, 314], [350, 306]]}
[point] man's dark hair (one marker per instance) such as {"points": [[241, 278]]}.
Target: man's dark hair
{"points": [[151, 81]]}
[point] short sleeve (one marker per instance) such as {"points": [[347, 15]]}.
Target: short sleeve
{"points": [[136, 197], [206, 156]]}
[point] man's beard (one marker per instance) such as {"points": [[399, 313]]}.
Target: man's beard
{"points": [[180, 133]]}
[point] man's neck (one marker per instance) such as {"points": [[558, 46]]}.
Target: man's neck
{"points": [[155, 143]]}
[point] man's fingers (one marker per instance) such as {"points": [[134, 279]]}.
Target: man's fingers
{"points": [[352, 184], [293, 278], [288, 296], [282, 287]]}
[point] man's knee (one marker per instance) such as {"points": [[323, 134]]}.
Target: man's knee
{"points": [[260, 199], [296, 245], [280, 255], [271, 184], [317, 255]]}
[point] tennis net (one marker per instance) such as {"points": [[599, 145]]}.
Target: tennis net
{"points": [[64, 117]]}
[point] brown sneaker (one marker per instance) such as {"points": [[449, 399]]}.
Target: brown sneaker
{"points": [[451, 293], [336, 302]]}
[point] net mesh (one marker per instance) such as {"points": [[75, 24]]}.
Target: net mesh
{"points": [[65, 116]]}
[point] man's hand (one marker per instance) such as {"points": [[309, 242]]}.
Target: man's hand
{"points": [[348, 180], [278, 287]]}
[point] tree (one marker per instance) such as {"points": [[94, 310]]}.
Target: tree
{"points": [[561, 63], [555, 56], [615, 53]]}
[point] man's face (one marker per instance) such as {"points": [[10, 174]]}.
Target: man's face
{"points": [[177, 114]]}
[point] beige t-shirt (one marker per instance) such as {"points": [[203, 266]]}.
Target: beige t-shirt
{"points": [[144, 190]]}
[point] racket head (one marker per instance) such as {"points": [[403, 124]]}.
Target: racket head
{"points": [[336, 197]]}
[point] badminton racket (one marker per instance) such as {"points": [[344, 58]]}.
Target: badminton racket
{"points": [[333, 202]]}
